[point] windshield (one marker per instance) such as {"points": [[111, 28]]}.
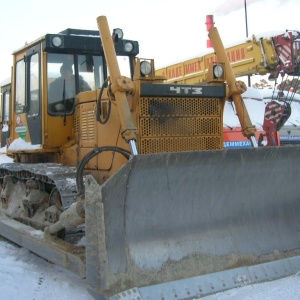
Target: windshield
{"points": [[69, 74]]}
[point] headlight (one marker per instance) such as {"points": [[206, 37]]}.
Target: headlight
{"points": [[145, 67], [56, 41], [128, 47], [218, 71], [118, 32]]}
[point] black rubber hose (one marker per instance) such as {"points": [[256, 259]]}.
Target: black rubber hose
{"points": [[88, 157]]}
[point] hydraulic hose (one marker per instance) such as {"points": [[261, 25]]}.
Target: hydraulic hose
{"points": [[88, 157]]}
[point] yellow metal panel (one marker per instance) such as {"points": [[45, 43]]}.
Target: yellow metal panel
{"points": [[58, 132]]}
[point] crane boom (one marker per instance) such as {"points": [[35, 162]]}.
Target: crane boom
{"points": [[264, 55]]}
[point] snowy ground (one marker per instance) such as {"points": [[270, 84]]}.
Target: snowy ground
{"points": [[25, 276]]}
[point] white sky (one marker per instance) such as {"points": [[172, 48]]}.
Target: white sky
{"points": [[167, 31]]}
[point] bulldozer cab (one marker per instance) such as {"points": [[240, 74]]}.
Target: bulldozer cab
{"points": [[48, 74]]}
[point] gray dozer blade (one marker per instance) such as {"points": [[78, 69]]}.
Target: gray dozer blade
{"points": [[165, 219]]}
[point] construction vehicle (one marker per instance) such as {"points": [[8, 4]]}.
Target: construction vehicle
{"points": [[129, 184]]}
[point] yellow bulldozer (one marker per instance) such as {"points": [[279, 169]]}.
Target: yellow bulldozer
{"points": [[127, 182]]}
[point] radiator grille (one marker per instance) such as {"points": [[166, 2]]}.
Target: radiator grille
{"points": [[76, 125], [87, 125], [180, 124]]}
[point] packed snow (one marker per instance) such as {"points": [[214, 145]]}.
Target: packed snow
{"points": [[20, 144], [23, 275]]}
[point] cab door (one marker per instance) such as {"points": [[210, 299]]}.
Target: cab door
{"points": [[33, 94]]}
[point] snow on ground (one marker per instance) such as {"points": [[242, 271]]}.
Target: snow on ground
{"points": [[25, 276]]}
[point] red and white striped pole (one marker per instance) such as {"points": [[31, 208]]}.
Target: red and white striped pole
{"points": [[209, 24]]}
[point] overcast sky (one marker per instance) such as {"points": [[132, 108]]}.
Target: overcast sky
{"points": [[167, 31]]}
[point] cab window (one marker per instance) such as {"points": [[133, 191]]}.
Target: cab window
{"points": [[20, 87], [68, 75], [34, 85]]}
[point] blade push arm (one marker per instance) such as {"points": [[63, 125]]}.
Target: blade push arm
{"points": [[235, 88], [119, 84]]}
